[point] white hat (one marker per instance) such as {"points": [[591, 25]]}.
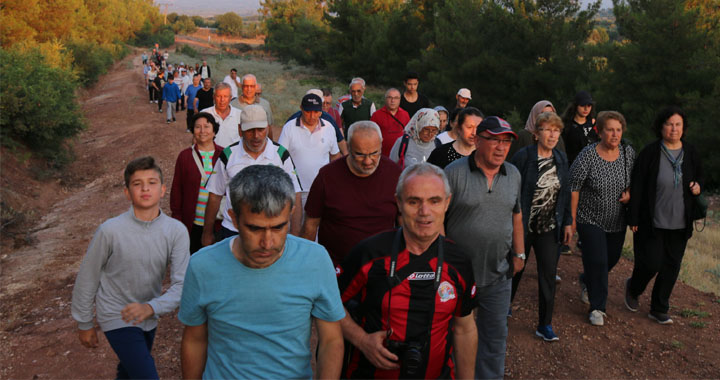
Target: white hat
{"points": [[465, 93], [253, 116], [315, 91]]}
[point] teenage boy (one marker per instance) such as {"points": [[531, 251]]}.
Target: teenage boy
{"points": [[171, 95], [123, 272]]}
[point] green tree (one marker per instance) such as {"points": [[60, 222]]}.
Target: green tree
{"points": [[199, 21], [230, 23], [184, 24], [296, 30]]}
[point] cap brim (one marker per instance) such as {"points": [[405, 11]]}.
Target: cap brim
{"points": [[501, 133], [253, 125]]}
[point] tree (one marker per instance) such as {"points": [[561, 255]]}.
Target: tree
{"points": [[296, 30], [184, 24], [230, 23]]}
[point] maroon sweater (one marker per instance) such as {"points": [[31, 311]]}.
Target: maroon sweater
{"points": [[186, 186]]}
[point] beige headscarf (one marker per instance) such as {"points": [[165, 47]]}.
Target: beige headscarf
{"points": [[535, 112], [424, 117]]}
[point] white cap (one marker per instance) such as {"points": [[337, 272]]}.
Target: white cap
{"points": [[315, 91], [465, 93], [253, 116]]}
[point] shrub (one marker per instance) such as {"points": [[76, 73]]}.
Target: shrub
{"points": [[90, 60], [188, 50]]}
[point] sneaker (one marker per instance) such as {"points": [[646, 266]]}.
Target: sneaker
{"points": [[558, 279], [630, 302], [155, 101], [509, 312], [660, 318], [583, 292], [160, 110], [188, 131], [597, 318], [546, 333], [174, 120], [151, 102], [565, 250], [167, 121]]}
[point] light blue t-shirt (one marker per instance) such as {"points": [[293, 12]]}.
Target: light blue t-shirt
{"points": [[259, 320], [191, 92]]}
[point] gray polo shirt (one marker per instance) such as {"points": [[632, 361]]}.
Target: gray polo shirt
{"points": [[479, 219]]}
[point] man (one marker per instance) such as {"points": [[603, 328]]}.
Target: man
{"points": [[391, 119], [328, 108], [205, 70], [412, 100], [462, 98], [191, 92], [186, 82], [310, 141], [248, 97], [357, 108], [158, 84], [468, 120], [258, 92], [485, 220], [421, 266], [205, 97], [254, 148], [249, 301], [226, 115], [342, 144], [353, 198], [234, 82]]}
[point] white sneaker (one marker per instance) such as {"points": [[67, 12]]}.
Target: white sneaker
{"points": [[597, 318], [584, 295]]}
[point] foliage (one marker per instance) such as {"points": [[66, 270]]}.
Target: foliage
{"points": [[230, 23], [38, 105], [184, 24], [296, 30], [188, 50], [149, 35], [90, 61], [199, 21]]}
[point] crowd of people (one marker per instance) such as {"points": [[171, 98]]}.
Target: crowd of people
{"points": [[401, 233]]}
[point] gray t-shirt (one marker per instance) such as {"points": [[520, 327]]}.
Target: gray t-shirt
{"points": [[480, 219], [669, 206]]}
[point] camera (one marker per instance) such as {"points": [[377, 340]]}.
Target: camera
{"points": [[410, 355]]}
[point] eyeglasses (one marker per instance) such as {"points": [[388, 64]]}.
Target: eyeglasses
{"points": [[496, 141], [363, 156], [549, 130]]}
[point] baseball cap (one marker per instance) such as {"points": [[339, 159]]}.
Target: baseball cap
{"points": [[311, 102], [583, 98], [315, 91], [465, 93], [253, 116], [495, 126]]}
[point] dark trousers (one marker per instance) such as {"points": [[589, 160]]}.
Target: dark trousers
{"points": [[657, 252], [195, 238], [600, 252], [132, 346], [190, 114], [151, 91], [158, 96], [546, 247], [180, 103], [225, 233]]}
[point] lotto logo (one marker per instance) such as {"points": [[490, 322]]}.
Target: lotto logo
{"points": [[419, 276]]}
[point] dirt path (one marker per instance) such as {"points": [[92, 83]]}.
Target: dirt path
{"points": [[39, 337]]}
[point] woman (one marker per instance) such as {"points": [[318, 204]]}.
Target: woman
{"points": [[444, 115], [579, 125], [545, 200], [666, 178], [450, 133], [419, 140], [527, 136], [188, 196], [600, 178]]}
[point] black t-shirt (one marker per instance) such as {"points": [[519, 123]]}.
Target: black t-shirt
{"points": [[362, 277], [577, 136], [205, 99], [443, 155], [421, 102], [159, 82]]}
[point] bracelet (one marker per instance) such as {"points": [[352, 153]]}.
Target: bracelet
{"points": [[520, 255]]}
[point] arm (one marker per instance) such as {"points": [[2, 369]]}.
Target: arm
{"points": [[371, 345], [176, 190], [179, 258], [86, 285], [195, 103], [310, 228], [193, 352], [465, 338], [518, 241], [296, 217], [330, 349], [574, 199], [211, 211]]}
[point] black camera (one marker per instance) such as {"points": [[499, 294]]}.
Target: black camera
{"points": [[410, 355]]}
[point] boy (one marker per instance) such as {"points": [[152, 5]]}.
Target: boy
{"points": [[123, 271], [171, 94]]}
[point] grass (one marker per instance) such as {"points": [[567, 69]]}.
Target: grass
{"points": [[698, 324], [676, 344], [687, 313]]}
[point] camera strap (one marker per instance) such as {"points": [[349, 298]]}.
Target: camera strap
{"points": [[396, 278]]}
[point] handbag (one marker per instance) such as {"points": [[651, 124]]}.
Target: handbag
{"points": [[699, 211]]}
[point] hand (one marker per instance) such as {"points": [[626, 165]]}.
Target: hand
{"points": [[375, 351], [88, 338], [695, 188], [634, 229], [625, 196], [567, 235], [207, 238], [518, 265], [136, 312]]}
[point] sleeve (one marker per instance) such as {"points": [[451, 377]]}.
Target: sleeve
{"points": [[289, 167], [284, 139], [334, 149], [315, 203], [176, 190], [268, 111], [578, 172], [638, 182], [192, 312], [164, 93], [467, 302], [351, 278], [179, 257], [395, 151], [435, 157], [372, 108], [327, 305], [518, 193], [88, 278], [565, 190], [218, 179]]}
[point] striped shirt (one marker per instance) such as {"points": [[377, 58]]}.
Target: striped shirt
{"points": [[203, 195]]}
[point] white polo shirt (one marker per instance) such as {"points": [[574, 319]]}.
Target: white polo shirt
{"points": [[228, 132], [310, 150], [234, 159], [233, 86]]}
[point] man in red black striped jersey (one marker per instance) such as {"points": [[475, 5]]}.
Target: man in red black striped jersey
{"points": [[410, 291]]}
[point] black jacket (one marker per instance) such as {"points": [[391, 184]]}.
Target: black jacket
{"points": [[643, 185]]}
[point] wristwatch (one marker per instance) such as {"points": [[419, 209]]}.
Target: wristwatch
{"points": [[520, 255]]}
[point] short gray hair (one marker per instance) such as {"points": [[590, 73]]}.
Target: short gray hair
{"points": [[248, 76], [265, 188], [362, 125], [421, 168], [357, 80], [391, 89], [221, 86]]}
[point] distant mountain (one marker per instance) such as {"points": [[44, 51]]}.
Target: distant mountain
{"points": [[207, 8]]}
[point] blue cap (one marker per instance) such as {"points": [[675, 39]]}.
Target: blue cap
{"points": [[495, 126]]}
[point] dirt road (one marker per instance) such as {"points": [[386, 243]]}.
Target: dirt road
{"points": [[38, 336]]}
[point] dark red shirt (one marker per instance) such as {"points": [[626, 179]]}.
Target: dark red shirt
{"points": [[391, 126], [352, 208]]}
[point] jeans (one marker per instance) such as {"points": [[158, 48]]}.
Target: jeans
{"points": [[600, 252], [493, 303], [657, 252], [132, 346], [546, 247], [171, 110]]}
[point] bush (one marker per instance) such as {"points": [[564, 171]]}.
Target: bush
{"points": [[149, 36], [188, 50], [38, 105], [89, 60]]}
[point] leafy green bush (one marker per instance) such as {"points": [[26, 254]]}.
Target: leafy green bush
{"points": [[38, 105], [149, 36], [89, 60], [188, 50]]}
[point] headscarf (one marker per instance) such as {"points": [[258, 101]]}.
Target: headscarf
{"points": [[424, 117], [535, 112], [441, 108]]}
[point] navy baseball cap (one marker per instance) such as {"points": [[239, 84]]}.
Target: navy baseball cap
{"points": [[311, 102], [583, 98], [495, 126]]}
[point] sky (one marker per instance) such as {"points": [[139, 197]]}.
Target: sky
{"points": [[246, 7]]}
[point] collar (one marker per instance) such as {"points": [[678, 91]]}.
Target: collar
{"points": [[474, 168], [233, 112], [298, 122], [267, 152], [143, 223]]}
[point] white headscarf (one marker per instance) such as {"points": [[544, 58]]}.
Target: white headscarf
{"points": [[424, 117]]}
